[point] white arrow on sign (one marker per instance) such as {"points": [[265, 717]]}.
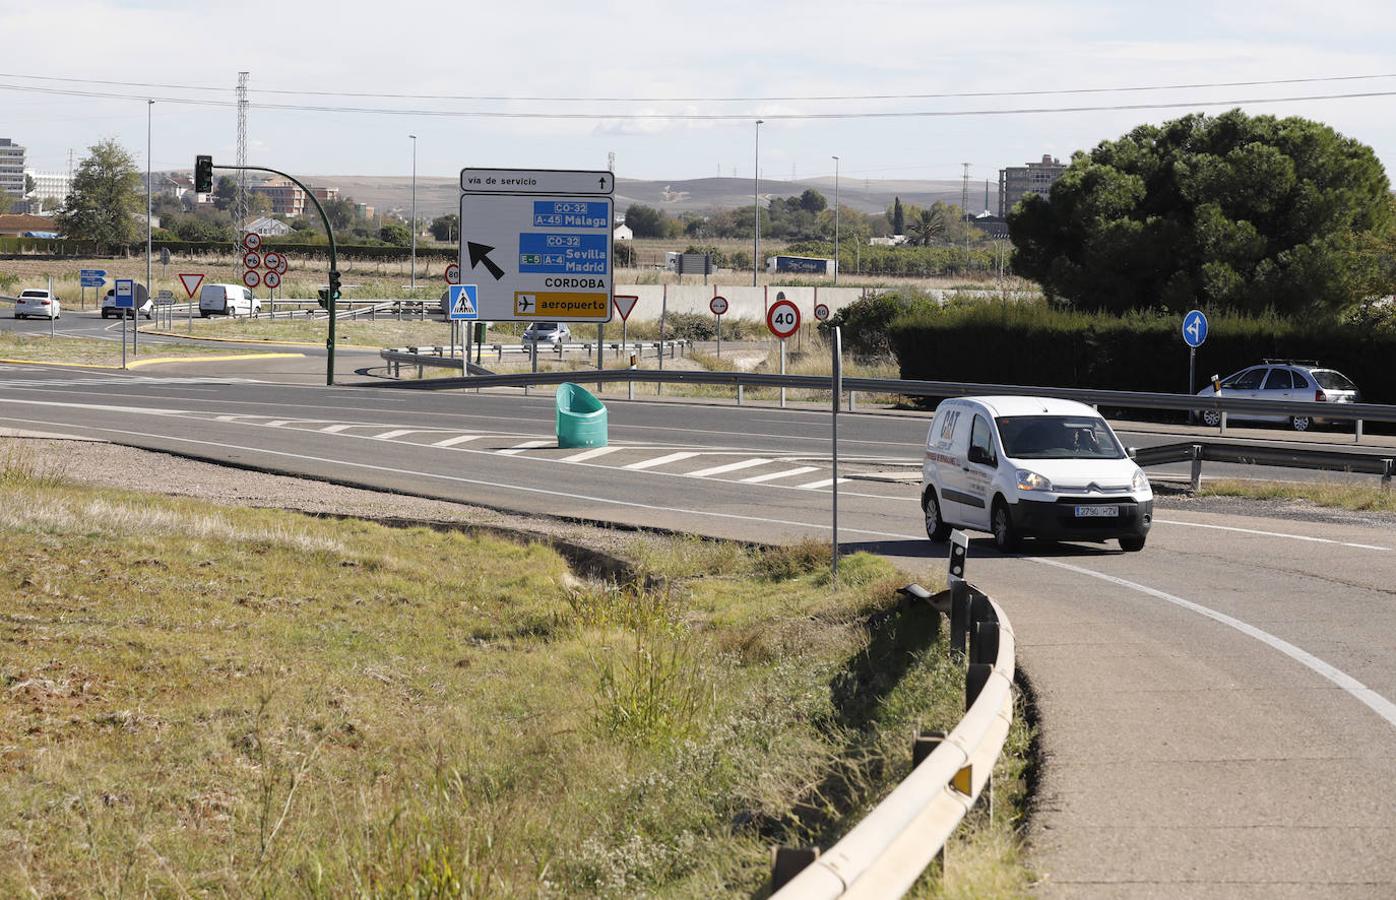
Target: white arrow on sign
{"points": [[624, 305]]}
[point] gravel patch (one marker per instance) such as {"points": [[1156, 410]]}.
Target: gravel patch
{"points": [[1291, 510]]}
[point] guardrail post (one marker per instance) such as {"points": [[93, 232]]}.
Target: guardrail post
{"points": [[1197, 467], [924, 745], [975, 678], [1223, 423], [984, 643], [1386, 476], [741, 391], [852, 400], [1357, 433], [959, 615], [787, 862]]}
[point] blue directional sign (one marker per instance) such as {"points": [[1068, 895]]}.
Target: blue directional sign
{"points": [[92, 282], [548, 253], [125, 297], [92, 277], [1195, 328], [464, 302], [92, 273]]}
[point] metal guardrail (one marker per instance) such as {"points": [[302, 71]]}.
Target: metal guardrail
{"points": [[1319, 458], [885, 853], [1370, 412], [436, 356]]}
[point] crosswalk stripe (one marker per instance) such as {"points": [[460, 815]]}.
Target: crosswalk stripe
{"points": [[459, 439], [785, 473], [662, 460], [277, 423], [589, 454], [729, 467], [395, 433], [828, 482], [526, 445], [335, 429]]}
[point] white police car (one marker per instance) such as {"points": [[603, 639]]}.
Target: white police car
{"points": [[1031, 467]]}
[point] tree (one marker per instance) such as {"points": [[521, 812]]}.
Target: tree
{"points": [[446, 228], [1229, 212], [5, 201], [395, 233], [105, 198], [898, 217], [29, 184], [225, 192], [812, 201], [645, 221], [341, 213], [928, 225]]}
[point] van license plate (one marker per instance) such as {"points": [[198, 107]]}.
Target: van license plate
{"points": [[1093, 512]]}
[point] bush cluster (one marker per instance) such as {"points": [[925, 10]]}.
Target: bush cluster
{"points": [[1035, 344]]}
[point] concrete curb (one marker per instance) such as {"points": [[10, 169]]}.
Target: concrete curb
{"points": [[154, 361], [221, 340]]}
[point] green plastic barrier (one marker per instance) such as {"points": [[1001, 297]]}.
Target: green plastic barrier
{"points": [[581, 418]]}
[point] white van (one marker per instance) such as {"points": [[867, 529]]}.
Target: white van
{"points": [[1031, 467], [227, 300]]}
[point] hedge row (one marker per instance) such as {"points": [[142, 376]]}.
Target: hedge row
{"points": [[1032, 344]]}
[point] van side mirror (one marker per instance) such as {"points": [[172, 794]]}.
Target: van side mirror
{"points": [[1132, 452]]}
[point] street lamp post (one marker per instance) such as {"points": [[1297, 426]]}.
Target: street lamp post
{"points": [[836, 220], [149, 111], [414, 210], [756, 207]]}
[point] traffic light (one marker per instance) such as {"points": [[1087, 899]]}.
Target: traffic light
{"points": [[203, 174], [334, 284], [332, 291]]}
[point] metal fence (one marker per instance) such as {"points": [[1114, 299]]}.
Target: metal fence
{"points": [[885, 853]]}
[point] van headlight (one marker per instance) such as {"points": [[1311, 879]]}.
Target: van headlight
{"points": [[1031, 481], [1140, 482]]}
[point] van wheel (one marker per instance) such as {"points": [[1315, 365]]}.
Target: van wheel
{"points": [[1006, 537], [936, 527], [1132, 544]]}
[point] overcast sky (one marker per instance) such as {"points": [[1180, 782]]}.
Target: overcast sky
{"points": [[717, 48]]}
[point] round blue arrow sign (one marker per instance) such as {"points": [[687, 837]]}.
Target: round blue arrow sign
{"points": [[1195, 328]]}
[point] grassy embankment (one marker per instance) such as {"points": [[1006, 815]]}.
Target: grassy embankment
{"points": [[1355, 497], [206, 699], [89, 351]]}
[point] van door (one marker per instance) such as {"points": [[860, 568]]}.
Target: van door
{"points": [[944, 457], [981, 464]]}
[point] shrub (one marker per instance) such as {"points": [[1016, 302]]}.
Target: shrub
{"points": [[867, 323]]}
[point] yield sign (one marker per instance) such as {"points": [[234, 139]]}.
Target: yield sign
{"points": [[624, 305], [191, 282]]}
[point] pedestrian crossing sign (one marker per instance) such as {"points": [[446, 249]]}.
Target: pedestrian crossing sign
{"points": [[463, 302]]}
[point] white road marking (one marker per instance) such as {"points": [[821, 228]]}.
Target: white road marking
{"points": [[729, 467], [1279, 534], [816, 485], [329, 429], [784, 473], [277, 423], [589, 454], [1370, 698], [526, 445], [459, 439], [389, 435], [662, 460]]}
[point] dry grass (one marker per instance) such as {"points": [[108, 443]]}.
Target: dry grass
{"points": [[202, 699], [86, 351], [1356, 497]]}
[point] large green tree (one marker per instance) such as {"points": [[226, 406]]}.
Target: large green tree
{"points": [[645, 221], [105, 198], [1230, 212]]}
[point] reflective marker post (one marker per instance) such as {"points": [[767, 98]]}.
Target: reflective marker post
{"points": [[834, 423]]}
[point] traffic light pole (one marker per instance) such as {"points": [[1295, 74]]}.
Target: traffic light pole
{"points": [[333, 291]]}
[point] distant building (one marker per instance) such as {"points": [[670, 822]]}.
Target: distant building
{"points": [[289, 200], [15, 226], [1017, 182], [11, 168], [624, 233], [50, 185], [892, 240], [363, 210], [266, 226], [992, 225]]}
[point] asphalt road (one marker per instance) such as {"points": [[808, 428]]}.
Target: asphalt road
{"points": [[1216, 712]]}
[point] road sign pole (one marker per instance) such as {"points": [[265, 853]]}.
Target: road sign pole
{"points": [[782, 372], [837, 390], [1192, 370], [719, 336]]}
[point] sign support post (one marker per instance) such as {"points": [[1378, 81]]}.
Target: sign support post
{"points": [[1194, 333], [837, 386], [782, 320]]}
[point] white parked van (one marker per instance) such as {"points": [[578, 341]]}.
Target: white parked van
{"points": [[1031, 467], [227, 300]]}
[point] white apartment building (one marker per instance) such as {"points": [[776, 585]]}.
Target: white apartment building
{"points": [[11, 168]]}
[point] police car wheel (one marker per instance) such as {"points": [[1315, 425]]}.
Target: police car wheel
{"points": [[936, 528], [1006, 537], [1300, 423], [1211, 418]]}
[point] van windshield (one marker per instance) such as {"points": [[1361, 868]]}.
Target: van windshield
{"points": [[1057, 437]]}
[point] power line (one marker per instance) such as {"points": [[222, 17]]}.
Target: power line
{"points": [[705, 117], [942, 95]]}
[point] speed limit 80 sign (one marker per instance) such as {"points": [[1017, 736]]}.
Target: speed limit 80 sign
{"points": [[783, 318]]}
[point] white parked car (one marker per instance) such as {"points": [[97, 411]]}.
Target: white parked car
{"points": [[144, 305], [1282, 379], [37, 303], [553, 333], [1031, 467], [227, 300]]}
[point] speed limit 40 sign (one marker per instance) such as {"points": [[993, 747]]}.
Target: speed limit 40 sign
{"points": [[783, 319]]}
